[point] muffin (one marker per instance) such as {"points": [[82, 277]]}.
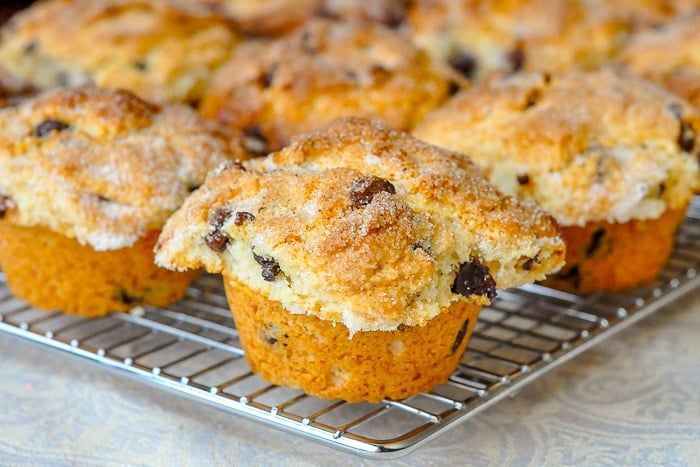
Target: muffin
{"points": [[88, 179], [278, 17], [154, 49], [669, 55], [483, 38], [326, 69], [356, 260], [609, 155]]}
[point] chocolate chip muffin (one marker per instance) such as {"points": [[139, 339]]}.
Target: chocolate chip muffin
{"points": [[88, 179], [611, 156], [326, 69], [151, 48], [482, 38], [356, 260]]}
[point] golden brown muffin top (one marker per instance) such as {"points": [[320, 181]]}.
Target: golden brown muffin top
{"points": [[152, 48], [483, 37], [670, 55], [586, 146], [362, 225], [326, 69], [102, 166]]}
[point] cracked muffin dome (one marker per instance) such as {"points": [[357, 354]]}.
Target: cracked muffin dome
{"points": [[154, 49], [103, 166], [602, 152], [362, 215], [326, 69]]}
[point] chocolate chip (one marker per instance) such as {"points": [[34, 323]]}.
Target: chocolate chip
{"points": [[532, 98], [453, 88], [220, 216], [268, 76], [523, 179], [48, 126], [572, 275], [271, 340], [5, 205], [140, 65], [686, 137], [254, 141], [364, 190], [270, 333], [217, 240], [393, 16], [465, 63], [662, 190], [270, 267], [242, 217], [378, 70], [30, 47], [595, 243], [530, 262], [461, 334], [474, 278], [516, 58], [126, 298]]}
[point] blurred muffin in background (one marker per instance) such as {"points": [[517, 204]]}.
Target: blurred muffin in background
{"points": [[669, 55], [89, 177], [277, 17], [610, 155], [154, 49], [272, 90], [481, 38]]}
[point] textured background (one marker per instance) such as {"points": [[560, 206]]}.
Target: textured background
{"points": [[632, 400]]}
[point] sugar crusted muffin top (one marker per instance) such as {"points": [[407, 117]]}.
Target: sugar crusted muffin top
{"points": [[152, 48], [585, 146], [362, 225], [103, 166], [326, 69]]}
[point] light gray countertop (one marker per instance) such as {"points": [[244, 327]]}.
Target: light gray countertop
{"points": [[632, 400]]}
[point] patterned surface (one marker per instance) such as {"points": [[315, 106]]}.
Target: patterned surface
{"points": [[632, 400]]}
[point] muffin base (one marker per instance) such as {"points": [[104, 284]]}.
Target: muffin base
{"points": [[615, 257], [51, 271], [319, 357]]}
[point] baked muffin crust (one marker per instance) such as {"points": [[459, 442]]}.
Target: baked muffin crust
{"points": [[103, 166], [585, 146], [362, 225], [326, 69], [152, 48]]}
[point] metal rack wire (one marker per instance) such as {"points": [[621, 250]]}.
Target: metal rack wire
{"points": [[192, 348]]}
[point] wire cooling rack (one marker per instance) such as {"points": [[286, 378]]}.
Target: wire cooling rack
{"points": [[192, 348]]}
